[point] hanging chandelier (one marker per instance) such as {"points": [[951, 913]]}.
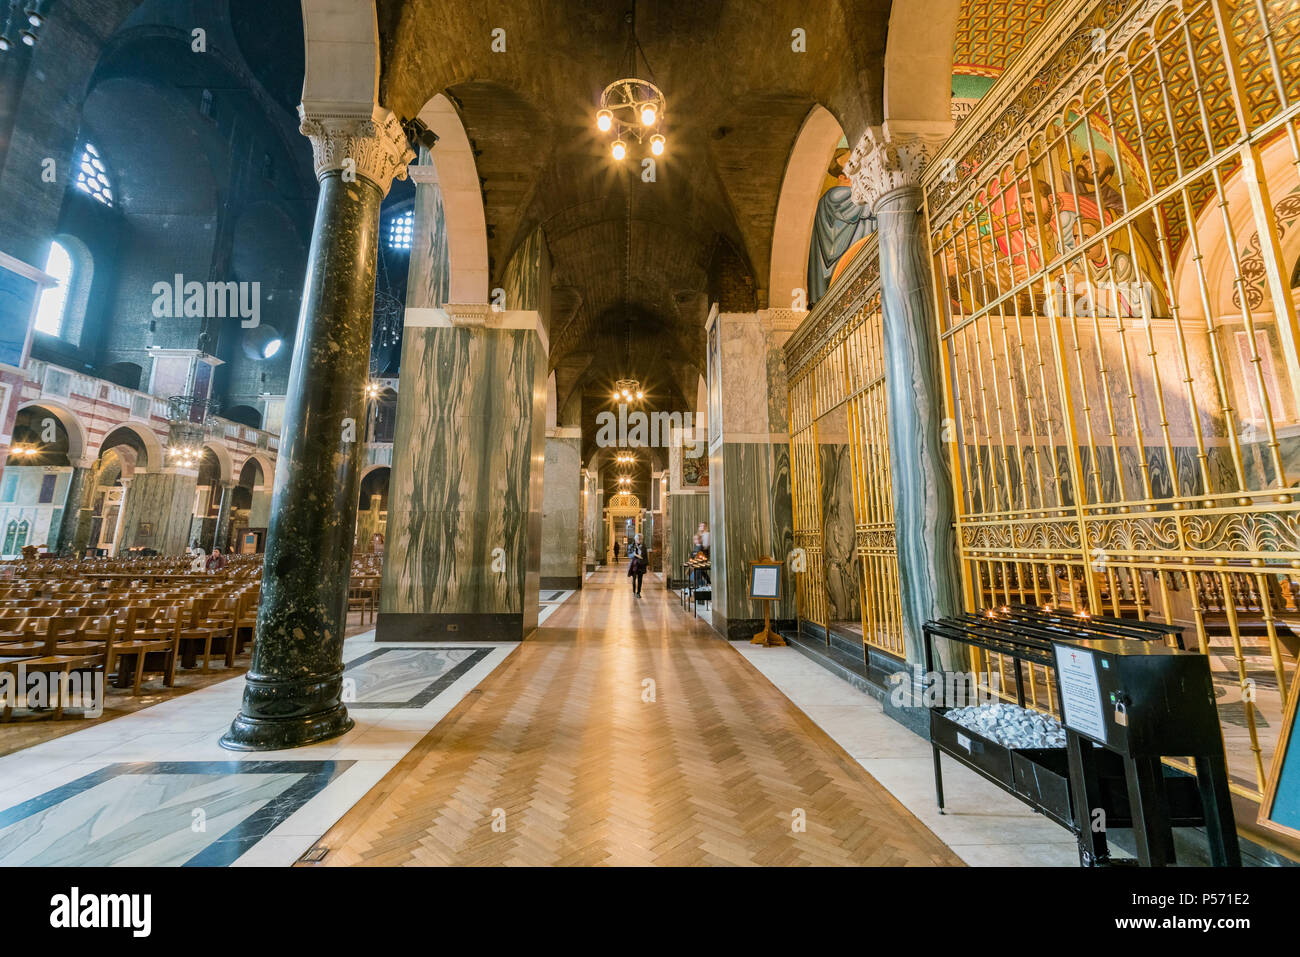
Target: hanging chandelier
{"points": [[185, 456], [633, 108], [628, 390]]}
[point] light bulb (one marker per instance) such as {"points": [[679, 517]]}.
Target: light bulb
{"points": [[29, 38], [640, 396], [619, 149], [626, 394], [604, 120], [34, 18], [648, 115], [615, 396], [657, 144]]}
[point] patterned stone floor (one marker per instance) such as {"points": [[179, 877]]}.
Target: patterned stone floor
{"points": [[626, 733]]}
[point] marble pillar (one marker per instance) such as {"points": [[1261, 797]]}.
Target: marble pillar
{"points": [[465, 502], [259, 507], [885, 170], [590, 520], [80, 489], [293, 690], [221, 538], [562, 564], [749, 467], [158, 511]]}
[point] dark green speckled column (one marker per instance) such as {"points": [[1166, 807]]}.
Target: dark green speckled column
{"points": [[293, 689]]}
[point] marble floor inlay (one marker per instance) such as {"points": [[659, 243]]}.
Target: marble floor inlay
{"points": [[160, 814], [405, 677]]}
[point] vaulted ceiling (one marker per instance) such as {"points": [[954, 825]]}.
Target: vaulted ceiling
{"points": [[636, 264]]}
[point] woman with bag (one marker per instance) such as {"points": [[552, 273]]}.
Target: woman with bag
{"points": [[636, 565]]}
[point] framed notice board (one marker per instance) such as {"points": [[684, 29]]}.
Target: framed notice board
{"points": [[1280, 809], [765, 580]]}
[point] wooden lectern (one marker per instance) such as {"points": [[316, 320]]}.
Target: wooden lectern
{"points": [[765, 586]]}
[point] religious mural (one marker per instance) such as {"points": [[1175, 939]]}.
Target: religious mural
{"points": [[840, 227], [1042, 213]]}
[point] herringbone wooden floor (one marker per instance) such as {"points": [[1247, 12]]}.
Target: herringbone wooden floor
{"points": [[628, 733]]}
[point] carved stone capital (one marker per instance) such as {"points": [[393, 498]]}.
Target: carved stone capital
{"points": [[372, 146], [882, 162], [468, 313]]}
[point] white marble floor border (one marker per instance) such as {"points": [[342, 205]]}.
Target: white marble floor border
{"points": [[983, 824], [188, 728]]}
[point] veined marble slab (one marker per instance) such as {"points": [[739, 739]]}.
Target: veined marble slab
{"points": [[405, 677], [160, 814]]}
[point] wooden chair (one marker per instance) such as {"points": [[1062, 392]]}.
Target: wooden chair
{"points": [[140, 637]]}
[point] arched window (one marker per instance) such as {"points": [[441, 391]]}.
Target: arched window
{"points": [[53, 306], [92, 176], [400, 229]]}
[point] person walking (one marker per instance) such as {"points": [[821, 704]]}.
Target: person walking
{"points": [[616, 551], [636, 564]]}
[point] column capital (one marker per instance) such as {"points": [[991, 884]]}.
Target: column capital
{"points": [[885, 160], [373, 146], [229, 483], [473, 314]]}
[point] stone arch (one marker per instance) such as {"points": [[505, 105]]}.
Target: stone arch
{"points": [[225, 460], [265, 462], [153, 447], [71, 422], [456, 173], [797, 205], [918, 66]]}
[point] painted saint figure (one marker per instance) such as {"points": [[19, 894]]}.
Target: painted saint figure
{"points": [[839, 225]]}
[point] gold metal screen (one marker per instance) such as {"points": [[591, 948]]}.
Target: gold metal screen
{"points": [[837, 359], [1114, 244]]}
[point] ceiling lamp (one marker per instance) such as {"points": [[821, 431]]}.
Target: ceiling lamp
{"points": [[185, 456], [633, 107], [628, 390], [24, 451]]}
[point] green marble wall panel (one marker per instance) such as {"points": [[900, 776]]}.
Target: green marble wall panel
{"points": [[465, 510], [562, 513], [259, 509], [684, 513], [751, 517], [843, 592], [158, 512]]}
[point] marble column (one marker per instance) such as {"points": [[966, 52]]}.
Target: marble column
{"points": [[158, 511], [293, 690], [590, 521], [80, 489], [750, 514], [463, 554], [562, 564], [886, 172], [222, 537]]}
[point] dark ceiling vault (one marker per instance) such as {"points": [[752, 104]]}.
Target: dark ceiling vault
{"points": [[737, 95]]}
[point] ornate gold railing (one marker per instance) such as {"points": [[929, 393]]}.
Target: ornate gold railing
{"points": [[836, 361], [1114, 243]]}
